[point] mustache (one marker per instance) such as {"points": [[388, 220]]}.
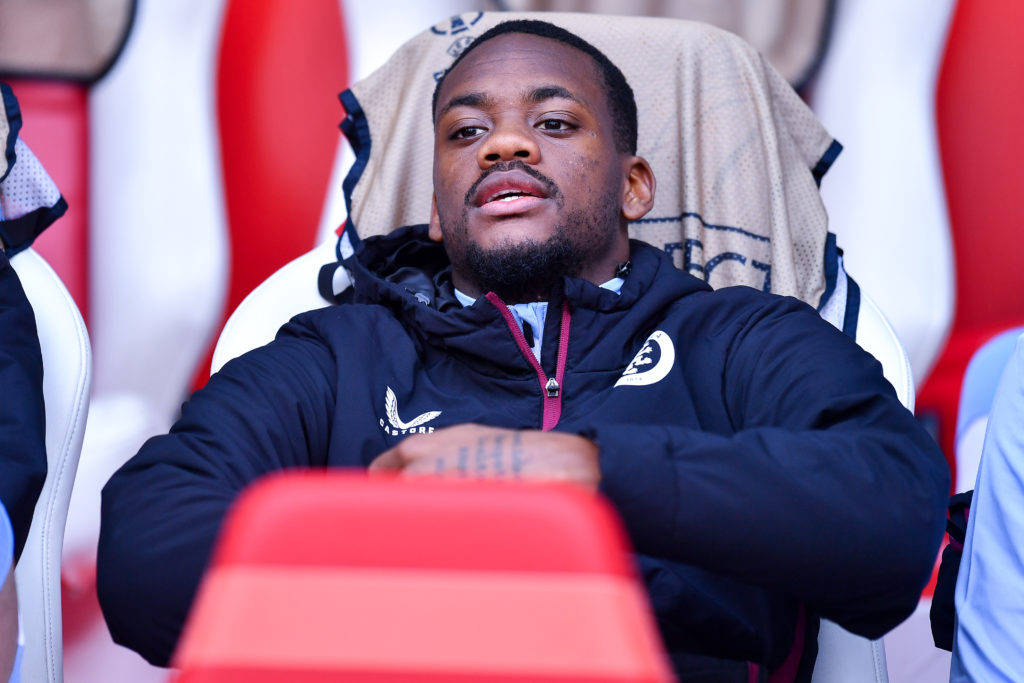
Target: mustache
{"points": [[517, 165]]}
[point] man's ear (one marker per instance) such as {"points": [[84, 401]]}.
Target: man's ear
{"points": [[434, 231], [640, 186]]}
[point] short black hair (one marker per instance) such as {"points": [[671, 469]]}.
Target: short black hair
{"points": [[621, 102]]}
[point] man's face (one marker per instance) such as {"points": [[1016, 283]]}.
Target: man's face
{"points": [[528, 183]]}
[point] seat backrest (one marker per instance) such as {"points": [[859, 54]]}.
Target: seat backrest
{"points": [[979, 96], [876, 93], [342, 577], [66, 378], [737, 163], [737, 202], [847, 658], [288, 292], [842, 656], [876, 335]]}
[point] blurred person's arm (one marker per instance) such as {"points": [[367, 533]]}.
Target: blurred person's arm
{"points": [[8, 626], [22, 415], [8, 600], [987, 645]]}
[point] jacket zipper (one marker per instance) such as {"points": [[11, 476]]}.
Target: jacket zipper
{"points": [[551, 387]]}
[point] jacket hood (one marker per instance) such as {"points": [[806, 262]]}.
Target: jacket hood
{"points": [[409, 273]]}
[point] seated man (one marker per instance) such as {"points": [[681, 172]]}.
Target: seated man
{"points": [[764, 468]]}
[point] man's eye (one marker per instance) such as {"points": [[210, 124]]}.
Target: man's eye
{"points": [[467, 132], [556, 125]]}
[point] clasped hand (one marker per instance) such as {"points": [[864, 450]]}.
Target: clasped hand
{"points": [[475, 451]]}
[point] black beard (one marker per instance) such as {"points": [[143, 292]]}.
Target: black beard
{"points": [[523, 271]]}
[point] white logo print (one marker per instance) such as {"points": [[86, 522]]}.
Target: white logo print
{"points": [[646, 368], [398, 426]]}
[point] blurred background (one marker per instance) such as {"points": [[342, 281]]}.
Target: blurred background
{"points": [[197, 145]]}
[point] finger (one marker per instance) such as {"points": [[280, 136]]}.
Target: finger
{"points": [[386, 462], [427, 468]]}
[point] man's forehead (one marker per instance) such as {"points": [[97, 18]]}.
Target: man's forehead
{"points": [[546, 60]]}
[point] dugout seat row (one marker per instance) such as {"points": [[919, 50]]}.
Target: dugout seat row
{"points": [[295, 289]]}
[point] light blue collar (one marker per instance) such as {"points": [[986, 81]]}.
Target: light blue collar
{"points": [[534, 313]]}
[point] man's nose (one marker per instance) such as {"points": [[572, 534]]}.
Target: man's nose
{"points": [[509, 142]]}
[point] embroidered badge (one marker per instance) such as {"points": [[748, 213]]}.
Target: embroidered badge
{"points": [[652, 363]]}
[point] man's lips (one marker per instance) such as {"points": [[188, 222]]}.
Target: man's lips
{"points": [[513, 206], [509, 188]]}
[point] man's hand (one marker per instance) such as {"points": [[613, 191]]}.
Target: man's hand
{"points": [[475, 451]]}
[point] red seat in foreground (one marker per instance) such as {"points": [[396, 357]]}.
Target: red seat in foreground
{"points": [[340, 577]]}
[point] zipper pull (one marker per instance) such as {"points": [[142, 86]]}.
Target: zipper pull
{"points": [[552, 388]]}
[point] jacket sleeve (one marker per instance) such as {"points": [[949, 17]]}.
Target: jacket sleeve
{"points": [[161, 512], [825, 489], [700, 611], [22, 415]]}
